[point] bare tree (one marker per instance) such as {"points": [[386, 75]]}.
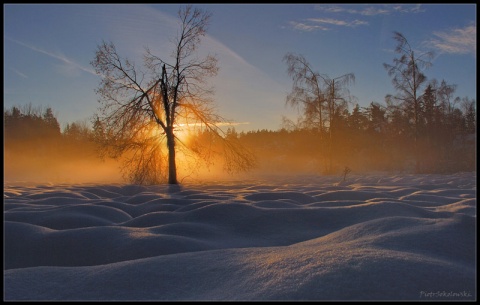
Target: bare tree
{"points": [[407, 79], [315, 93], [338, 95], [142, 109], [445, 95], [306, 94]]}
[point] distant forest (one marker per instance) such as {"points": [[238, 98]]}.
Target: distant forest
{"points": [[36, 149], [373, 138]]}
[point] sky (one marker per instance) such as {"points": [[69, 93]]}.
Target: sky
{"points": [[48, 49]]}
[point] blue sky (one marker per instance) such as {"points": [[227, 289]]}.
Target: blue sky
{"points": [[48, 50]]}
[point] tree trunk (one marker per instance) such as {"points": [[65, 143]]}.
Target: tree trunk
{"points": [[172, 166]]}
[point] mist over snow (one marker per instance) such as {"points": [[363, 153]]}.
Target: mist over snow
{"points": [[372, 237]]}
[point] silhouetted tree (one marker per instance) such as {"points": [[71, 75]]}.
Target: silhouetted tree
{"points": [[429, 107], [470, 114], [445, 97], [377, 120], [51, 120], [407, 79], [29, 122], [357, 120], [398, 134], [357, 124], [337, 96], [314, 93], [78, 131], [306, 94], [429, 129], [142, 109]]}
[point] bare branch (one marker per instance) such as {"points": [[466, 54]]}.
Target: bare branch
{"points": [[141, 107]]}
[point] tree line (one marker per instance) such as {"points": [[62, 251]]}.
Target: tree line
{"points": [[36, 148], [36, 130], [422, 122], [373, 138]]}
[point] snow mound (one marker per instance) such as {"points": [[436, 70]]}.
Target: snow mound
{"points": [[377, 237]]}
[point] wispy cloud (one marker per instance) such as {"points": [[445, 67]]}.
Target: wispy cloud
{"points": [[306, 27], [337, 22], [417, 8], [455, 41], [324, 24], [312, 24], [19, 73], [60, 57], [373, 11], [370, 10]]}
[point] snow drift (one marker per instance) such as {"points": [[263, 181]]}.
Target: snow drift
{"points": [[377, 237]]}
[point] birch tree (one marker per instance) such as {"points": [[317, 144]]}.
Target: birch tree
{"points": [[408, 79], [143, 107]]}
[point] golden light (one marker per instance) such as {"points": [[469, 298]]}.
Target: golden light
{"points": [[184, 131]]}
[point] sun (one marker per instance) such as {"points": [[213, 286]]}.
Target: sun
{"points": [[183, 131]]}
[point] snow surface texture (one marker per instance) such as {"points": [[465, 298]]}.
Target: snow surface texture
{"points": [[405, 237]]}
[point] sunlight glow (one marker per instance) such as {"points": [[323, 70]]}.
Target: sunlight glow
{"points": [[184, 131]]}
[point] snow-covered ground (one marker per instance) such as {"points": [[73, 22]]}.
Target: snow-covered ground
{"points": [[373, 237]]}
